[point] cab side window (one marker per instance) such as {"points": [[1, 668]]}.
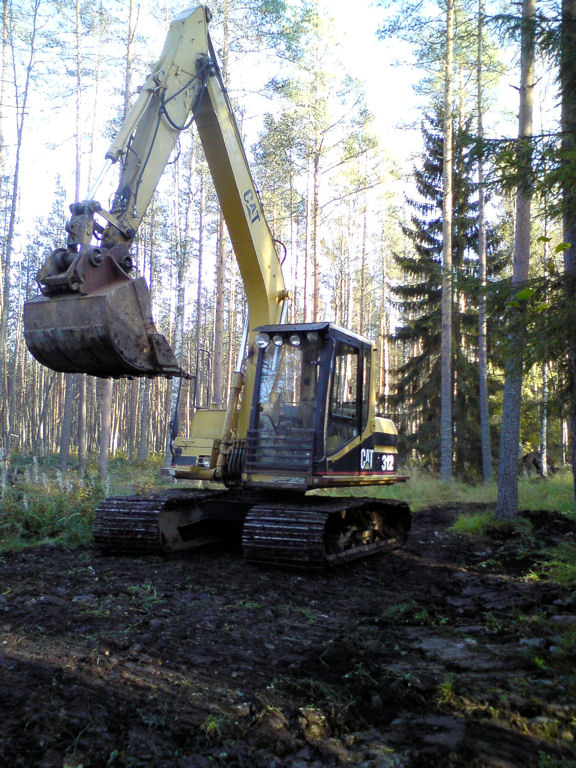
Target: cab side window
{"points": [[343, 415], [367, 354]]}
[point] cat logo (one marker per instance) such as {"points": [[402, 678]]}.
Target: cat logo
{"points": [[251, 206], [366, 458]]}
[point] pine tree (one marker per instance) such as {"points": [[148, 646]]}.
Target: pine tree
{"points": [[567, 80], [507, 502]]}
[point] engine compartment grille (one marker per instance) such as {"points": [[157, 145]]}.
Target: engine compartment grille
{"points": [[284, 450]]}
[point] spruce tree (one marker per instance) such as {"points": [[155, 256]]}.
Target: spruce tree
{"points": [[418, 299]]}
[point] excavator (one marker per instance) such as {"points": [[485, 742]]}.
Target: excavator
{"points": [[301, 409]]}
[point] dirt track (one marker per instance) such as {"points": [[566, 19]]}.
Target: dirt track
{"points": [[440, 654]]}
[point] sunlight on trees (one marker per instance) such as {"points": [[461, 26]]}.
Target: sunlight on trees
{"points": [[364, 243]]}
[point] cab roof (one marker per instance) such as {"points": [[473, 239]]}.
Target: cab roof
{"points": [[325, 328]]}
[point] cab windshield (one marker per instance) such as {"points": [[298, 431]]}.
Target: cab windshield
{"points": [[289, 386]]}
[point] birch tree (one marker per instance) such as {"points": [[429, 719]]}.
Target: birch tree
{"points": [[108, 384], [66, 431], [221, 254]]}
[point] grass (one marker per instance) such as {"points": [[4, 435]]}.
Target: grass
{"points": [[559, 565], [33, 513], [145, 595], [475, 524], [422, 490], [39, 504]]}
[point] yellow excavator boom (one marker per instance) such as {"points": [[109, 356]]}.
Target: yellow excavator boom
{"points": [[92, 316]]}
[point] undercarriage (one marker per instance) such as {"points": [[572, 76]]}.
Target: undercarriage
{"points": [[299, 531]]}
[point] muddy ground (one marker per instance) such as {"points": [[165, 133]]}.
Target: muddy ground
{"points": [[444, 653]]}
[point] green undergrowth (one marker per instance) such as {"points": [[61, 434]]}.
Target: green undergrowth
{"points": [[484, 523], [424, 490], [558, 565], [552, 563], [40, 504], [474, 524]]}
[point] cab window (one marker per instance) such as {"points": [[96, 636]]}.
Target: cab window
{"points": [[343, 414], [366, 385]]}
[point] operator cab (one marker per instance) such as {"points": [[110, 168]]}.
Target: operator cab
{"points": [[310, 423]]}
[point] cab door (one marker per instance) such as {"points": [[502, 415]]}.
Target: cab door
{"points": [[347, 411]]}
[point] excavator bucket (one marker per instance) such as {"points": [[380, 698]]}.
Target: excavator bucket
{"points": [[108, 332]]}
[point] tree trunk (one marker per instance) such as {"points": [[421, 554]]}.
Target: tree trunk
{"points": [[17, 383], [315, 217], [197, 385], [93, 131], [446, 343], [131, 437], [106, 390], [66, 430], [487, 469], [81, 381], [3, 76], [129, 56], [144, 442], [544, 424], [38, 444], [567, 86], [181, 248], [307, 246], [82, 437], [218, 357], [294, 250], [218, 351], [363, 266], [21, 113], [507, 504]]}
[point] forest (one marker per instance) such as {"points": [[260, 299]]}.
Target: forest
{"points": [[415, 161], [365, 229], [413, 244]]}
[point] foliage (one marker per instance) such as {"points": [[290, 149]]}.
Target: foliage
{"points": [[474, 525], [559, 565], [423, 27], [417, 396], [52, 509], [547, 312], [39, 504], [551, 172]]}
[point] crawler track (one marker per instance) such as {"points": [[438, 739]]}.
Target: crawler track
{"points": [[323, 533], [312, 532], [157, 523]]}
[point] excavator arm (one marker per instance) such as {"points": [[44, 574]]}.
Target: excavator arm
{"points": [[92, 315]]}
